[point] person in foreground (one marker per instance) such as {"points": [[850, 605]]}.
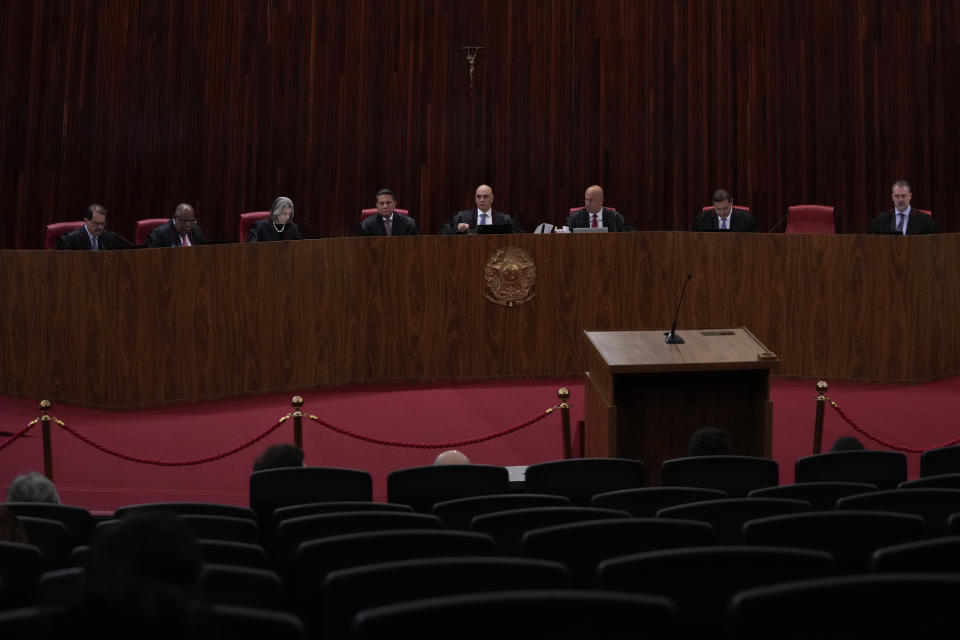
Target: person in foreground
{"points": [[723, 216], [32, 487], [92, 234], [278, 456], [903, 218], [594, 214], [179, 231], [388, 222], [468, 220], [279, 225]]}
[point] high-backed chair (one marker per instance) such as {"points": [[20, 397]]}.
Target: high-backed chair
{"points": [[507, 527], [727, 516], [936, 555], [341, 506], [57, 229], [925, 212], [459, 513], [20, 569], [933, 505], [579, 479], [422, 487], [242, 586], [822, 496], [187, 508], [238, 554], [935, 462], [50, 536], [886, 469], [247, 220], [78, 521], [810, 218], [736, 475], [736, 206], [144, 227], [941, 481], [645, 502], [366, 213]]}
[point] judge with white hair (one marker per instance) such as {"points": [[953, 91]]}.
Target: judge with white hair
{"points": [[278, 226]]}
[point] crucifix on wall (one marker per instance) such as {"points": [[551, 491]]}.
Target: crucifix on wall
{"points": [[471, 53]]}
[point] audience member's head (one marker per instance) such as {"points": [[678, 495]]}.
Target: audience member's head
{"points": [[452, 457], [709, 441], [277, 456], [11, 530], [142, 580], [32, 487], [847, 443]]}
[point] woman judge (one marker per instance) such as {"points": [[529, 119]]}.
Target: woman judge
{"points": [[278, 226]]}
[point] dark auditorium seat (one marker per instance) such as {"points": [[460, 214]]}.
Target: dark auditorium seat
{"points": [[223, 528], [646, 501], [188, 508], [900, 605], [508, 527], [20, 569], [701, 580], [422, 487], [944, 481], [50, 536], [935, 462], [728, 516], [822, 496], [60, 587], [348, 591], [850, 536], [934, 555], [579, 479], [274, 488], [735, 475], [242, 586], [933, 505], [319, 508], [581, 546], [247, 622], [233, 553], [885, 469], [459, 513], [522, 614], [78, 521]]}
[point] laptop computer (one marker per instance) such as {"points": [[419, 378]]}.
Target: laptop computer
{"points": [[590, 230], [494, 228]]}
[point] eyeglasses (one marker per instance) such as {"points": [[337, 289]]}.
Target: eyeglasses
{"points": [[188, 223]]}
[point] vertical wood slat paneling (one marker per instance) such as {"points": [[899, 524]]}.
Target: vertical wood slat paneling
{"points": [[144, 104]]}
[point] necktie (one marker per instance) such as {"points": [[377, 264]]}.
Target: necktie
{"points": [[388, 223], [95, 245], [899, 222], [723, 224], [483, 218], [593, 220]]}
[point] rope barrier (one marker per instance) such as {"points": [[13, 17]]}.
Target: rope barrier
{"points": [[18, 434], [426, 445], [173, 463], [883, 442]]}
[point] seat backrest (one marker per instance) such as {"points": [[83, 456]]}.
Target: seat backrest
{"points": [[531, 614], [233, 621], [241, 586], [144, 227], [850, 536], [937, 555], [57, 229], [318, 508], [925, 212], [579, 479], [188, 508], [223, 528], [933, 505], [366, 213], [459, 513], [349, 591], [422, 487], [274, 488], [572, 209], [736, 475], [78, 521], [701, 580], [233, 553], [736, 206], [885, 469], [810, 218], [645, 502], [20, 568], [50, 536], [822, 496], [508, 527], [944, 481], [581, 546], [247, 220], [727, 516], [935, 462]]}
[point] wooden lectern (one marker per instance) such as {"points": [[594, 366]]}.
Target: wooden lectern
{"points": [[645, 398]]}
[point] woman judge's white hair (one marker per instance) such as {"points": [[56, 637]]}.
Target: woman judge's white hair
{"points": [[278, 205]]}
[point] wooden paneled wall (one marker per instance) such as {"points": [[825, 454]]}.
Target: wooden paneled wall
{"points": [[157, 326], [142, 104]]}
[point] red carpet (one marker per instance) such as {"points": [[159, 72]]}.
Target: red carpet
{"points": [[915, 416]]}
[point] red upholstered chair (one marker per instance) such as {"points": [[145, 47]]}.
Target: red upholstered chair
{"points": [[366, 213], [247, 220], [810, 218], [926, 211], [736, 206], [145, 226], [57, 229]]}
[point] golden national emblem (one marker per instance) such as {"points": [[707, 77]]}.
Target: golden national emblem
{"points": [[510, 276]]}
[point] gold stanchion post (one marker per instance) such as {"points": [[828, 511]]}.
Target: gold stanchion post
{"points": [[297, 404], [47, 444], [564, 395], [818, 421]]}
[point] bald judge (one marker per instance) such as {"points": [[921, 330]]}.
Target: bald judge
{"points": [[468, 221], [594, 214]]}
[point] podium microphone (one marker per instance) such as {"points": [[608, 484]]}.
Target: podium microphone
{"points": [[129, 244], [672, 337], [782, 218]]}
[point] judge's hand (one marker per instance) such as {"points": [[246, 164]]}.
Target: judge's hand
{"points": [[463, 226]]}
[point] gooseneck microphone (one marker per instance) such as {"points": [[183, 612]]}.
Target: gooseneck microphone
{"points": [[672, 337], [782, 218]]}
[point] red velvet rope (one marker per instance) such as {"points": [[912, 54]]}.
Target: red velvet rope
{"points": [[883, 442], [173, 463], [427, 445], [18, 434]]}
